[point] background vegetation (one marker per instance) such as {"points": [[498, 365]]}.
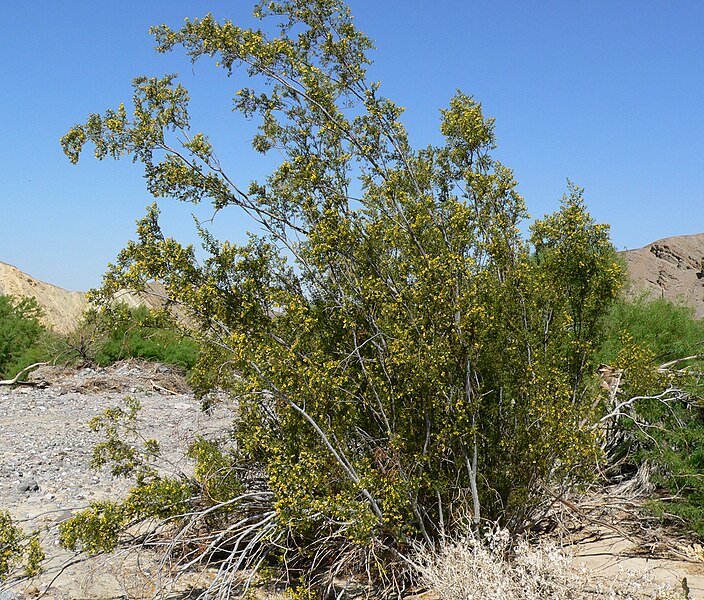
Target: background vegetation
{"points": [[659, 344], [23, 339], [118, 332], [103, 337], [669, 330]]}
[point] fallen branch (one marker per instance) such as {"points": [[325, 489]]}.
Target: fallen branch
{"points": [[159, 388], [665, 366], [16, 381]]}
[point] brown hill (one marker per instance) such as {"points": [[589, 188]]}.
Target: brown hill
{"points": [[154, 297], [669, 269], [62, 309]]}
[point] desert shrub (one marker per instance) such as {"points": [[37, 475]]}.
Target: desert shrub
{"points": [[23, 339], [156, 495], [665, 427], [668, 329], [400, 354], [493, 566], [117, 332], [142, 333]]}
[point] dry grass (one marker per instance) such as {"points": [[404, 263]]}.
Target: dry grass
{"points": [[492, 567]]}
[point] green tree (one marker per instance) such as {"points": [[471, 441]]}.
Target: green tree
{"points": [[400, 356], [20, 333]]}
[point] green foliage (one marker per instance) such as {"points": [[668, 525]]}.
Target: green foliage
{"points": [[120, 449], [35, 556], [301, 592], [94, 529], [669, 330], [117, 332], [215, 470], [18, 549], [22, 336], [664, 428], [97, 529], [104, 336], [400, 355]]}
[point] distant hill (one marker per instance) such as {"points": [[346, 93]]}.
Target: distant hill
{"points": [[154, 297], [62, 309], [668, 269]]}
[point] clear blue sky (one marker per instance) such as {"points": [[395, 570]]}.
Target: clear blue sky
{"points": [[609, 94]]}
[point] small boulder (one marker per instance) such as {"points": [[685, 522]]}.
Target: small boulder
{"points": [[28, 486]]}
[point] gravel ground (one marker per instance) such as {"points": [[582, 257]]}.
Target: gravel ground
{"points": [[45, 451]]}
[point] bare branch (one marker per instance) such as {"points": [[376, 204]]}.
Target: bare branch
{"points": [[16, 379]]}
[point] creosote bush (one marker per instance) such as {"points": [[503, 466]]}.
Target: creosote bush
{"points": [[400, 355], [20, 554]]}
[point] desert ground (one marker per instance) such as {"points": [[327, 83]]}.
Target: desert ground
{"points": [[45, 478]]}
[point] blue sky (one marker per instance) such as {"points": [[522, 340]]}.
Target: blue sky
{"points": [[607, 93]]}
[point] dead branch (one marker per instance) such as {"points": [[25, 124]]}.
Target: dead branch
{"points": [[16, 381], [159, 388], [669, 395], [665, 366]]}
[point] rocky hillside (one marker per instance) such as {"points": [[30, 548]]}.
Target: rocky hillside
{"points": [[670, 268], [62, 309]]}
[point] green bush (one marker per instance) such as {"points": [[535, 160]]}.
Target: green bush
{"points": [[23, 339], [117, 332], [669, 330], [104, 336], [143, 333], [665, 429]]}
